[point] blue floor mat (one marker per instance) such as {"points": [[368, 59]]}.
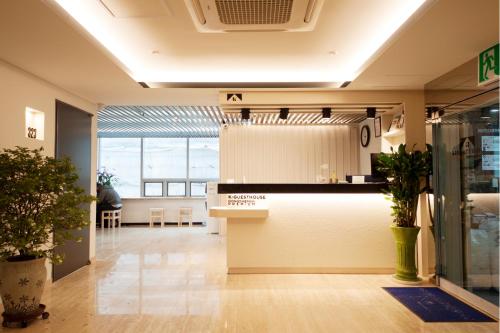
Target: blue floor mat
{"points": [[434, 305]]}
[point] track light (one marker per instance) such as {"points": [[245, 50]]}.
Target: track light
{"points": [[428, 112], [284, 113], [485, 113], [370, 112], [327, 112], [245, 114]]}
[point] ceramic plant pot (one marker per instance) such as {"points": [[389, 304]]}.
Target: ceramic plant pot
{"points": [[21, 287], [406, 269]]}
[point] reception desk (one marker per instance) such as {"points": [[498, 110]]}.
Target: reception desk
{"points": [[307, 228]]}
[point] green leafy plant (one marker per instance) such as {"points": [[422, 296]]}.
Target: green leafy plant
{"points": [[106, 178], [38, 195], [406, 171]]}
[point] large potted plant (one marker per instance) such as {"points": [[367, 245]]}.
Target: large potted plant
{"points": [[406, 171], [38, 195]]}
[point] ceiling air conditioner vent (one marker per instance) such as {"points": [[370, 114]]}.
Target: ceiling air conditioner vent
{"points": [[254, 15], [254, 11]]}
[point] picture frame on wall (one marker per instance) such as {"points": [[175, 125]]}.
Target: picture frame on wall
{"points": [[377, 125], [394, 123], [401, 121]]}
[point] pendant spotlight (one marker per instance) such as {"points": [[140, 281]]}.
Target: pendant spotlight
{"points": [[284, 113], [433, 112], [370, 112], [485, 113], [327, 112], [245, 114]]}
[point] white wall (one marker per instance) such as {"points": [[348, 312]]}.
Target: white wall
{"points": [[287, 154], [19, 89], [137, 210]]}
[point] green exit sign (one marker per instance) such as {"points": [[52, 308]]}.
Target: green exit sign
{"points": [[488, 65]]}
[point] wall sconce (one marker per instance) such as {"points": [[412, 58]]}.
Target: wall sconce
{"points": [[34, 124]]}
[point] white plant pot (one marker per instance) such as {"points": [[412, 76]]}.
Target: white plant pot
{"points": [[21, 286]]}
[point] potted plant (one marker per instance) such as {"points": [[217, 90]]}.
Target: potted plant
{"points": [[406, 171], [107, 197], [106, 178], [38, 195]]}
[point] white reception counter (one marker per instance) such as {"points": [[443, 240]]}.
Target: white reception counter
{"points": [[341, 230]]}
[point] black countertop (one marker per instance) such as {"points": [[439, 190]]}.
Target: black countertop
{"points": [[302, 188]]}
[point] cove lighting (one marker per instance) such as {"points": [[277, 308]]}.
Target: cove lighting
{"points": [[125, 39]]}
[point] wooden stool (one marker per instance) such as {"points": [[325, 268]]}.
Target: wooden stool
{"points": [[156, 214], [185, 212], [111, 216]]}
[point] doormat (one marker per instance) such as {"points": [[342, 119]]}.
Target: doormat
{"points": [[434, 305]]}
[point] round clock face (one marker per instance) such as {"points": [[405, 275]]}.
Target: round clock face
{"points": [[365, 135]]}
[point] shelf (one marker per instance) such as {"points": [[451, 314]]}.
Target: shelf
{"points": [[394, 133]]}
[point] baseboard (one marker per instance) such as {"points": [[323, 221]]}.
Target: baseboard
{"points": [[310, 270]]}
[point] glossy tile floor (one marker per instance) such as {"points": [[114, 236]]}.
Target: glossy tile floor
{"points": [[173, 280]]}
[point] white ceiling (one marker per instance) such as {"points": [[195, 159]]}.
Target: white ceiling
{"points": [[165, 46], [447, 35], [37, 38]]}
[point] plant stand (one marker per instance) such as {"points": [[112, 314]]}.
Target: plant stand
{"points": [[18, 320]]}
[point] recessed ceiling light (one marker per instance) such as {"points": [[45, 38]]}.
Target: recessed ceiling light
{"points": [[493, 110]]}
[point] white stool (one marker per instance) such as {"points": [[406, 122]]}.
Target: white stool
{"points": [[185, 212], [156, 214], [111, 216]]}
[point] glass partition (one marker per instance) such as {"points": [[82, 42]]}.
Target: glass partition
{"points": [[467, 193]]}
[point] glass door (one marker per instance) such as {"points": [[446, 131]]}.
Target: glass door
{"points": [[466, 164]]}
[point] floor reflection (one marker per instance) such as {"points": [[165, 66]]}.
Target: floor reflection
{"points": [[177, 280]]}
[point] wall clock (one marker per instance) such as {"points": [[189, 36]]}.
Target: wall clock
{"points": [[365, 136]]}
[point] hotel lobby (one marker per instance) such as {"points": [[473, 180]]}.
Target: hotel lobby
{"points": [[249, 165]]}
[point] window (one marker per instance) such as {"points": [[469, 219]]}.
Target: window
{"points": [[176, 189], [170, 166], [165, 158], [198, 189], [204, 158], [122, 157], [153, 189]]}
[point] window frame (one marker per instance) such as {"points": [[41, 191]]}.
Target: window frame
{"points": [[177, 182], [153, 181], [198, 181]]}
